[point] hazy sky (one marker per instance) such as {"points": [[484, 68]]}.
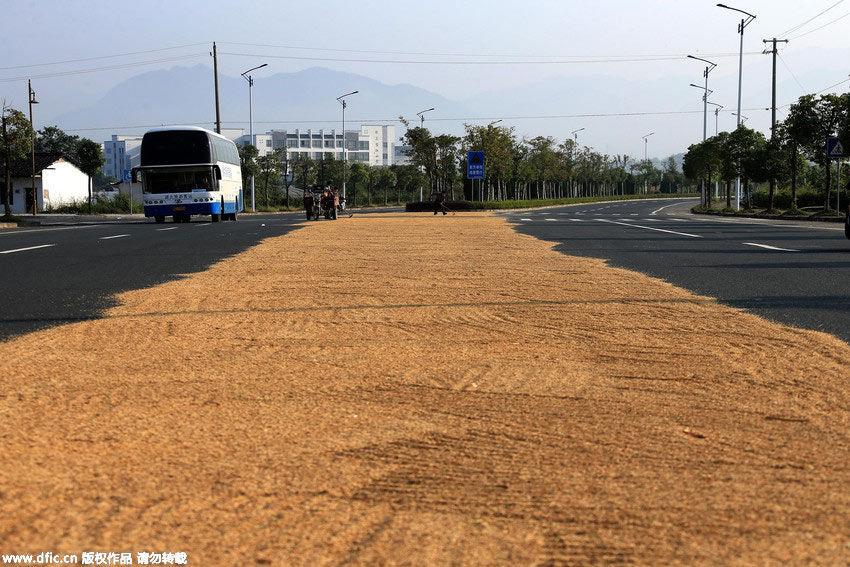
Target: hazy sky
{"points": [[438, 41]]}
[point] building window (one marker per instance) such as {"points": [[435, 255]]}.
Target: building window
{"points": [[305, 143]]}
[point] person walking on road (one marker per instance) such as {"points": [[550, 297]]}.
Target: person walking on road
{"points": [[439, 203]]}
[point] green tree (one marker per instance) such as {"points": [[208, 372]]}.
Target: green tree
{"points": [[358, 174], [16, 139], [90, 159], [53, 139], [269, 165], [248, 162]]}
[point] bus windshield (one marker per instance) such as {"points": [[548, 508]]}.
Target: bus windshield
{"points": [[178, 181]]}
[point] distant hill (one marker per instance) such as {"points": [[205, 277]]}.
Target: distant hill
{"points": [[305, 99]]}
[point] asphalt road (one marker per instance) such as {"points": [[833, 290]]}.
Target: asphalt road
{"points": [[791, 272], [59, 274]]}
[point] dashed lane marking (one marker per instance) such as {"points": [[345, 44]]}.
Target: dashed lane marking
{"points": [[651, 228], [768, 247], [114, 236], [25, 249]]}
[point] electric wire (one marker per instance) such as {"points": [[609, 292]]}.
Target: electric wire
{"points": [[802, 88], [436, 62], [106, 68], [795, 28], [391, 120], [821, 27], [101, 57], [439, 54]]}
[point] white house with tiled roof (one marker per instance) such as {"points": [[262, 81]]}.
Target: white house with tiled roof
{"points": [[57, 180]]}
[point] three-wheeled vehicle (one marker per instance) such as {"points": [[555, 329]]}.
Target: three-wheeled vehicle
{"points": [[321, 201]]}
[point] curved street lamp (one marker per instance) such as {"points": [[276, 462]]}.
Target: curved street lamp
{"points": [[344, 162], [708, 69], [645, 143], [250, 80], [32, 142], [716, 113], [421, 116], [744, 22]]}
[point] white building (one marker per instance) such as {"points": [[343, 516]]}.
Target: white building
{"points": [[372, 145], [121, 153], [57, 181]]}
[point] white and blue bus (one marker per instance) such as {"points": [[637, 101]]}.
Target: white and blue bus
{"points": [[188, 171]]}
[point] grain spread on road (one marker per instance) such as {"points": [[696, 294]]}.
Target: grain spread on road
{"points": [[411, 390]]}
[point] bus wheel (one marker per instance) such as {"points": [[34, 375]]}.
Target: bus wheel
{"points": [[233, 217], [216, 217], [159, 219]]}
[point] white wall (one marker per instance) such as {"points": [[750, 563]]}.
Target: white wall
{"points": [[63, 183]]}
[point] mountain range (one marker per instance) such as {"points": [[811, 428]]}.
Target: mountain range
{"points": [[612, 114]]}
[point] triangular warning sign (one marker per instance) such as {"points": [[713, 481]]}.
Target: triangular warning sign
{"points": [[837, 149], [476, 158]]}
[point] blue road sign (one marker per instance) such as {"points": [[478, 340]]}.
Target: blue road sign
{"points": [[127, 176], [835, 149], [475, 165]]}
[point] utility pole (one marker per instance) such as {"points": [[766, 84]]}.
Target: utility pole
{"points": [[32, 101], [217, 106], [773, 101], [773, 105]]}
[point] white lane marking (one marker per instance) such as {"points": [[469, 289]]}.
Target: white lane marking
{"points": [[577, 220], [651, 228], [651, 220], [111, 237], [615, 214], [552, 220], [768, 222], [169, 228], [526, 219], [664, 207], [19, 231], [771, 247], [678, 220], [25, 249], [633, 214]]}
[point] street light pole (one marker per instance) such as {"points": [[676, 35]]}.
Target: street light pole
{"points": [[705, 73], [344, 162], [645, 144], [575, 151], [32, 146], [250, 80], [741, 26], [421, 115], [716, 113]]}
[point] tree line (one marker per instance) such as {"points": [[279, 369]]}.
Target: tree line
{"points": [[515, 169], [277, 172], [535, 168], [795, 152]]}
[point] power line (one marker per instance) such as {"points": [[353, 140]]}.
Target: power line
{"points": [[388, 120], [98, 69], [802, 88], [795, 28], [434, 62], [829, 88], [821, 27], [438, 54], [100, 57]]}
